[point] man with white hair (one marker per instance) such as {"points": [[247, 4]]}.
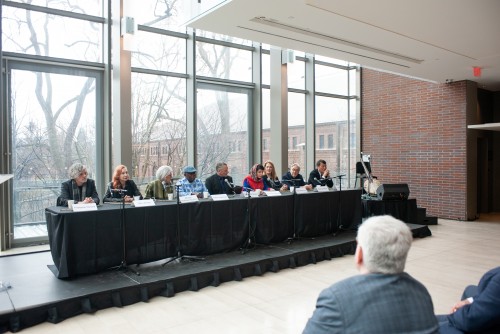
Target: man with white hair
{"points": [[383, 298]]}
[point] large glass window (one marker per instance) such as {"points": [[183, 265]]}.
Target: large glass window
{"points": [[296, 128], [222, 115], [34, 33], [159, 52], [53, 126], [266, 123], [222, 62], [332, 122], [158, 125], [331, 80]]}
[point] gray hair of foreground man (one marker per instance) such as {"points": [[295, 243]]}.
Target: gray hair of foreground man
{"points": [[385, 242]]}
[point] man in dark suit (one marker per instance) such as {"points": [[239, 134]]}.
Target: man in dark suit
{"points": [[216, 184], [383, 298], [321, 175], [79, 187], [479, 309]]}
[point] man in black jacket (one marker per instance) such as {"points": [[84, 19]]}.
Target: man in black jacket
{"points": [[321, 175], [79, 187], [218, 183]]}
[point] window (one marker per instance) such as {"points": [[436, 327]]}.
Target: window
{"points": [[321, 142], [330, 141]]}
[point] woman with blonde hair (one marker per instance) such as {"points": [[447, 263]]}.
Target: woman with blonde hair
{"points": [[270, 177]]}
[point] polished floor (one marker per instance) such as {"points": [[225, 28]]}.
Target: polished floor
{"points": [[457, 254]]}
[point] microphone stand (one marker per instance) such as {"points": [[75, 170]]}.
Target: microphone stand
{"points": [[294, 236], [180, 256], [123, 265], [339, 226], [251, 231]]}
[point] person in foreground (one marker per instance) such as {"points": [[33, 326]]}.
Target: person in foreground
{"points": [[270, 177], [79, 187], [254, 179], [321, 175], [293, 178], [479, 309], [121, 186], [162, 186], [383, 298], [190, 185], [218, 183]]}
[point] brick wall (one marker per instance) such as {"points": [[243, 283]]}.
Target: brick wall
{"points": [[415, 132]]}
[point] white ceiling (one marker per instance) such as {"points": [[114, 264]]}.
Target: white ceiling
{"points": [[434, 40]]}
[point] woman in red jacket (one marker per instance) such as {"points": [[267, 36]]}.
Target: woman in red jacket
{"points": [[254, 179]]}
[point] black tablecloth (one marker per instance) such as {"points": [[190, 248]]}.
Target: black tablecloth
{"points": [[89, 242], [405, 210]]}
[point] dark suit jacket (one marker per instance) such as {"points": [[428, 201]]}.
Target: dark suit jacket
{"points": [[374, 303], [214, 186], [483, 315], [69, 190], [112, 196], [286, 179], [321, 181]]}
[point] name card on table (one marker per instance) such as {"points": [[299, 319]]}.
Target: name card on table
{"points": [[219, 197], [188, 199], [79, 207], [272, 193], [301, 190], [322, 189], [144, 202]]}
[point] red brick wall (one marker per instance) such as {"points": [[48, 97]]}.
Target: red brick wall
{"points": [[416, 134]]}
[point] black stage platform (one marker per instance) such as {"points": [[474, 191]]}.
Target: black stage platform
{"points": [[36, 295]]}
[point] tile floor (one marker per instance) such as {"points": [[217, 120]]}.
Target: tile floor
{"points": [[457, 254]]}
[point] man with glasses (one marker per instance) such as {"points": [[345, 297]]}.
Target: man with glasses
{"points": [[190, 185]]}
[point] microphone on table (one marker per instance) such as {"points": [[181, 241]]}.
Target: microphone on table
{"points": [[319, 182], [229, 185]]}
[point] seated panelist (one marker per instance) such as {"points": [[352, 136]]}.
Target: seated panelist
{"points": [[293, 178], [270, 177], [79, 187], [321, 175], [220, 182], [190, 185], [121, 187], [162, 186], [254, 180]]}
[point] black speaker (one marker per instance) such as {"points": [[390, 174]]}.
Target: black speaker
{"points": [[393, 191]]}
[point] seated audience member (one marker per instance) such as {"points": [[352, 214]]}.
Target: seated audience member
{"points": [[78, 188], [216, 184], [479, 309], [254, 180], [293, 178], [190, 185], [270, 178], [382, 298], [121, 186], [162, 186], [320, 175]]}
